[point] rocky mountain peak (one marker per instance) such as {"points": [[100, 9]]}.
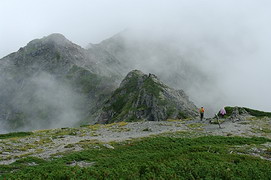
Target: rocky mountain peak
{"points": [[135, 73], [56, 36], [139, 77], [145, 97], [55, 40], [132, 76], [53, 53]]}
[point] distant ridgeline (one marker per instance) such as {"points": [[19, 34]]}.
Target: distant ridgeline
{"points": [[245, 110]]}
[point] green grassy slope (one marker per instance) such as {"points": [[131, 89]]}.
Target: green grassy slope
{"points": [[15, 134], [151, 158]]}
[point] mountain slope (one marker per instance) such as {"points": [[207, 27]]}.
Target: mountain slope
{"points": [[155, 55], [144, 97], [52, 82]]}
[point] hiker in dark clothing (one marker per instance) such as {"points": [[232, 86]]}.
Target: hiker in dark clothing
{"points": [[201, 111]]}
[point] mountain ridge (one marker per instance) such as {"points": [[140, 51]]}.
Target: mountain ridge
{"points": [[63, 68], [89, 76]]}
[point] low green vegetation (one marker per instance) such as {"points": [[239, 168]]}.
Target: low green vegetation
{"points": [[15, 134], [257, 113], [123, 98], [152, 87], [86, 80], [208, 157], [252, 112], [58, 56], [130, 85], [182, 115]]}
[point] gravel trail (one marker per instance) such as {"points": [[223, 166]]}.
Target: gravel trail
{"points": [[52, 143]]}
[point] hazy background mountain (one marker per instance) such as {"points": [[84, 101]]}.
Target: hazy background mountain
{"points": [[52, 83]]}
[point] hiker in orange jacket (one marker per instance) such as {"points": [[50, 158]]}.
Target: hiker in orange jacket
{"points": [[201, 111]]}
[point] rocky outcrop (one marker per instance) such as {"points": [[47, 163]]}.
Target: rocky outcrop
{"points": [[145, 97], [238, 114]]}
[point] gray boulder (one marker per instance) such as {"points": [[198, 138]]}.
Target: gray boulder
{"points": [[238, 114]]}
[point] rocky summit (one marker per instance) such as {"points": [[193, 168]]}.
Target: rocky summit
{"points": [[145, 97]]}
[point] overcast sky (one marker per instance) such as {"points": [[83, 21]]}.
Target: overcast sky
{"points": [[236, 32], [85, 21]]}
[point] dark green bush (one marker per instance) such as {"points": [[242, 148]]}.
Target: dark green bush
{"points": [[15, 134]]}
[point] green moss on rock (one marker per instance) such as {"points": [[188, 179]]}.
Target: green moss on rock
{"points": [[15, 134], [152, 87]]}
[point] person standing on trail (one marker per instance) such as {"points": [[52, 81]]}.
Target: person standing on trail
{"points": [[201, 111], [222, 112]]}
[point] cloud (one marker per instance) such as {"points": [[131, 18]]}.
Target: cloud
{"points": [[40, 101]]}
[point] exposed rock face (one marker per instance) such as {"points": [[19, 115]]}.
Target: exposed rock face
{"points": [[53, 82], [238, 114], [144, 97]]}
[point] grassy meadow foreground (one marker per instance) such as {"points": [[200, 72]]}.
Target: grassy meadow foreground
{"points": [[152, 158], [173, 149]]}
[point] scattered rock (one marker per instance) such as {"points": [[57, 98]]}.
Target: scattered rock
{"points": [[32, 164], [97, 147], [6, 153], [108, 146], [147, 129], [58, 156], [255, 150], [81, 164]]}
